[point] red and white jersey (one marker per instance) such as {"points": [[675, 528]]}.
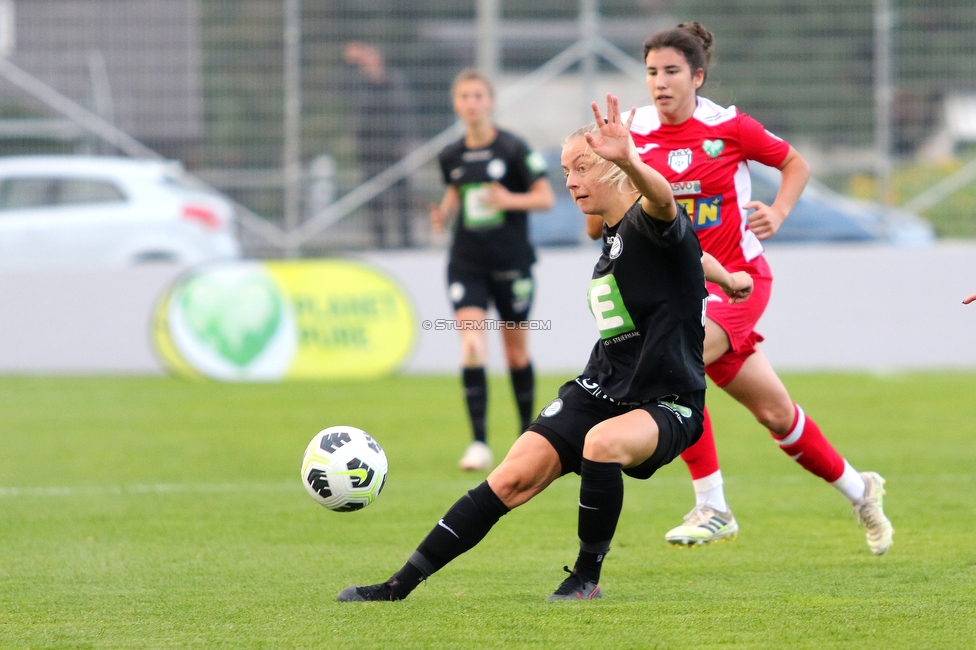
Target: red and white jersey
{"points": [[704, 159]]}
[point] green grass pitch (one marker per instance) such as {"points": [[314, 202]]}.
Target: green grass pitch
{"points": [[157, 513]]}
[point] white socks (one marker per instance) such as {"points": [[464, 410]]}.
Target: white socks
{"points": [[709, 491], [850, 484]]}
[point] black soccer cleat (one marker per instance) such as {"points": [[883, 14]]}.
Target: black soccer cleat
{"points": [[575, 587], [369, 593]]}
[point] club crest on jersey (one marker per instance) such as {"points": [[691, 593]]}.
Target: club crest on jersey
{"points": [[616, 246], [496, 169], [679, 160], [555, 406]]}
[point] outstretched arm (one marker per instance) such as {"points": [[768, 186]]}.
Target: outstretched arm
{"points": [[614, 144], [737, 286]]}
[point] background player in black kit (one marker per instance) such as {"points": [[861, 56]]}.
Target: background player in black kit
{"points": [[638, 403], [492, 180]]}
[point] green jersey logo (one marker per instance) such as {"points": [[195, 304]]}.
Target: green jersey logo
{"points": [[477, 212], [607, 305], [677, 409], [713, 147]]}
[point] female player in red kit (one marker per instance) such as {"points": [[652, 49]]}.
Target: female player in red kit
{"points": [[702, 149]]}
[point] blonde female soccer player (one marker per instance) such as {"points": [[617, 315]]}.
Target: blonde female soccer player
{"points": [[638, 402]]}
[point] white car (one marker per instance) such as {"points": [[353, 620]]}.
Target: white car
{"points": [[100, 211]]}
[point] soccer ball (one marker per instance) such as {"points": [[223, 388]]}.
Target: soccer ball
{"points": [[344, 469]]}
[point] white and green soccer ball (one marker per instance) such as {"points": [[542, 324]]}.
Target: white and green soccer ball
{"points": [[344, 469]]}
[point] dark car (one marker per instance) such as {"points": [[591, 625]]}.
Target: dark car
{"points": [[821, 215]]}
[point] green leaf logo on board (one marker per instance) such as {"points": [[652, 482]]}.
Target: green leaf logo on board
{"points": [[230, 321], [713, 147], [237, 317], [268, 321]]}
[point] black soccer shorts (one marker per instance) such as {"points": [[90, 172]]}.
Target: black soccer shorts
{"points": [[567, 419], [511, 291]]}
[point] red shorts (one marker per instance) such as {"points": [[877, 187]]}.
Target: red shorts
{"points": [[738, 320]]}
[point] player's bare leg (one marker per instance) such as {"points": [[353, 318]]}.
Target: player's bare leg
{"points": [[758, 388]]}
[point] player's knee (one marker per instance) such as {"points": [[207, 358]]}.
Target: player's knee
{"points": [[471, 358], [474, 352], [775, 416], [512, 486], [517, 358], [603, 446]]}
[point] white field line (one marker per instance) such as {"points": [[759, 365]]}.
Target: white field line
{"points": [[159, 488], [291, 486]]}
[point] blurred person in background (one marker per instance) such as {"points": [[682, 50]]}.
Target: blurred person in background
{"points": [[493, 179], [702, 149], [383, 114]]}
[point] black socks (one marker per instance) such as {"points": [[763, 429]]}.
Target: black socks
{"points": [[463, 526], [523, 385], [468, 521], [476, 397], [600, 502]]}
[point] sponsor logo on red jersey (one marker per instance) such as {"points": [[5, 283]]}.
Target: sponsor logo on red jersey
{"points": [[684, 188], [713, 148], [705, 212]]}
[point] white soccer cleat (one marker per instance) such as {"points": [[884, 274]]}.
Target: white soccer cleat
{"points": [[477, 457], [870, 513], [703, 525]]}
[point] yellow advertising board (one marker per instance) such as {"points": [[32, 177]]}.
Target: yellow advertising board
{"points": [[267, 321]]}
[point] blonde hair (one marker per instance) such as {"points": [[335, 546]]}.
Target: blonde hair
{"points": [[607, 172], [472, 74]]}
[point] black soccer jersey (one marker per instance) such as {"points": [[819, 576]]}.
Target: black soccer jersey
{"points": [[648, 297], [484, 237]]}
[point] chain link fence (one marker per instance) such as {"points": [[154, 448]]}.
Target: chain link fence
{"points": [[290, 106]]}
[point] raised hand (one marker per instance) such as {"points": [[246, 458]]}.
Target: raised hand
{"points": [[613, 143]]}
